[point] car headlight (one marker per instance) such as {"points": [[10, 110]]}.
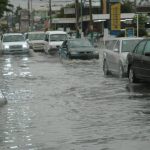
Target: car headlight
{"points": [[25, 46], [6, 46]]}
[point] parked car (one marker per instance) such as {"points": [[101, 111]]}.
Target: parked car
{"points": [[36, 40], [12, 43], [53, 40], [139, 62], [78, 49], [115, 55]]}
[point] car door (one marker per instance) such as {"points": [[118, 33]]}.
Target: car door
{"points": [[116, 56], [145, 61], [109, 54], [137, 58]]}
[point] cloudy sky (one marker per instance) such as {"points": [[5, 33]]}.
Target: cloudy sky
{"points": [[37, 3]]}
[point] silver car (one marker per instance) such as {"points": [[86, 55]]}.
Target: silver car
{"points": [[115, 55], [12, 43], [36, 40]]}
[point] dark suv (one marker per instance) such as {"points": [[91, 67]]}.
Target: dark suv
{"points": [[139, 62]]}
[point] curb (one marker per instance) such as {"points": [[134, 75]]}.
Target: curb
{"points": [[3, 100]]}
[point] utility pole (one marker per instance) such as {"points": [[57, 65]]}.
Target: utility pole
{"points": [[31, 16], [29, 12], [91, 17], [81, 9], [50, 14], [77, 17], [91, 20]]}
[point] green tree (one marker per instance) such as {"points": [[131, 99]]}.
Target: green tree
{"points": [[142, 19], [5, 6], [127, 6]]}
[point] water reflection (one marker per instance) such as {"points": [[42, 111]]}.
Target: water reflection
{"points": [[142, 90], [70, 105]]}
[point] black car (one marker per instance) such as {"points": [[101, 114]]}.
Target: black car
{"points": [[78, 49], [139, 62]]}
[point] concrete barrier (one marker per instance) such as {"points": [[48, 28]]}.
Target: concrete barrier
{"points": [[3, 100]]}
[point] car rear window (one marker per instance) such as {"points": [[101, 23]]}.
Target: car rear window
{"points": [[80, 43], [129, 45], [110, 44]]}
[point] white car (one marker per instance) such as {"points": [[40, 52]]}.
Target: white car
{"points": [[36, 40], [53, 40], [115, 55], [12, 43]]}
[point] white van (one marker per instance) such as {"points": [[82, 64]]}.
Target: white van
{"points": [[53, 40]]}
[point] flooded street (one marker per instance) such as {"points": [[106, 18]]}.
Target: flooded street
{"points": [[70, 105]]}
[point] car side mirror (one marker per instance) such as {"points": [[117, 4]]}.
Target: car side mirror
{"points": [[147, 53]]}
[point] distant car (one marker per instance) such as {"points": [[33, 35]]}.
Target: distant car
{"points": [[115, 55], [78, 49], [53, 40], [13, 43], [139, 62], [36, 40]]}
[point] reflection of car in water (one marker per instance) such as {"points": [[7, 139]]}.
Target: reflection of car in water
{"points": [[139, 62], [115, 55], [14, 43], [78, 49], [53, 40], [36, 40]]}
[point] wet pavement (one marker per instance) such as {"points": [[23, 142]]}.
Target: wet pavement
{"points": [[70, 105]]}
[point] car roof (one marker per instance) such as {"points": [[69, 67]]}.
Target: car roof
{"points": [[56, 32]]}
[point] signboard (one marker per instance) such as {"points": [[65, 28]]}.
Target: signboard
{"points": [[129, 32], [115, 16], [69, 11]]}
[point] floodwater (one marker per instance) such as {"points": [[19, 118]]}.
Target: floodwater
{"points": [[70, 105]]}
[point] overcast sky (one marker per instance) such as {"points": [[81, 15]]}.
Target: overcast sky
{"points": [[37, 3], [55, 3]]}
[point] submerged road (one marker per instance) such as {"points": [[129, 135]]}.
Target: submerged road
{"points": [[70, 105]]}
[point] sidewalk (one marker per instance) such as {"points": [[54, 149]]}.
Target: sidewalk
{"points": [[3, 100]]}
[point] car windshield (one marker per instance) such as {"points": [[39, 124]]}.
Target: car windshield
{"points": [[58, 37], [13, 38], [80, 43], [129, 45], [37, 36]]}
